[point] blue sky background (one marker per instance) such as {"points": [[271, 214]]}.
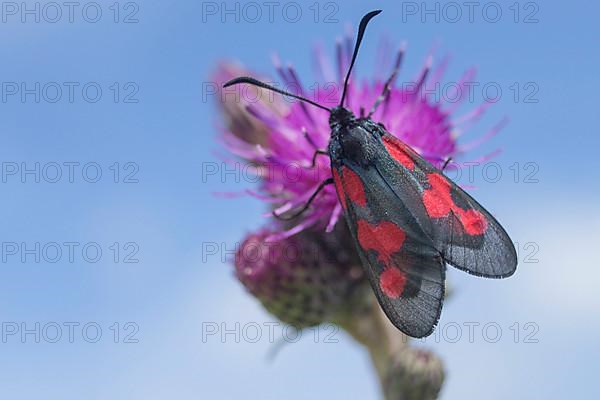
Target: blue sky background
{"points": [[169, 133]]}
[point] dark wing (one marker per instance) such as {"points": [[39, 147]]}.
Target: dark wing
{"points": [[406, 272], [467, 236]]}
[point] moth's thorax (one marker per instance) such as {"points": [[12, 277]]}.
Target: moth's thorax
{"points": [[354, 141]]}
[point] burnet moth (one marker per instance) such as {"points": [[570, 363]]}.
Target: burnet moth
{"points": [[408, 220]]}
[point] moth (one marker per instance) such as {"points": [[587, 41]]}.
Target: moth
{"points": [[408, 220]]}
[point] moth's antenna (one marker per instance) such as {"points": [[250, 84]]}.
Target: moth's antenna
{"points": [[252, 81], [361, 32]]}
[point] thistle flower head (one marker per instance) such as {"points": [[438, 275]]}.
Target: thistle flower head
{"points": [[303, 280], [295, 130], [414, 374]]}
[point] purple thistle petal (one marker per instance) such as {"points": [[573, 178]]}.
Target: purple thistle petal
{"points": [[440, 70], [308, 222], [484, 138], [335, 215], [339, 51], [472, 116], [259, 196], [229, 195], [323, 69]]}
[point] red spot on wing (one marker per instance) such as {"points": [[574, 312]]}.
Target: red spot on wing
{"points": [[438, 203], [386, 238], [398, 151], [473, 221], [437, 200], [392, 282], [353, 186], [338, 186]]}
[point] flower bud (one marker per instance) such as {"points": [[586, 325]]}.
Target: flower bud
{"points": [[413, 374], [233, 102], [303, 280]]}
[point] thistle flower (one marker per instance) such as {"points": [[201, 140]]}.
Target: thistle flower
{"points": [[307, 272], [295, 129], [304, 280]]}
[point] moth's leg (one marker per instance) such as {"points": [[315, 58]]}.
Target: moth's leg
{"points": [[326, 182], [313, 144], [448, 160], [309, 140], [314, 158]]}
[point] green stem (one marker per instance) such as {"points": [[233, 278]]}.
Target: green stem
{"points": [[405, 372]]}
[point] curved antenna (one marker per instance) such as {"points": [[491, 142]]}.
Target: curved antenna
{"points": [[361, 32], [255, 82]]}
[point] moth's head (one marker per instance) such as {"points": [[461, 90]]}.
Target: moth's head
{"points": [[340, 116]]}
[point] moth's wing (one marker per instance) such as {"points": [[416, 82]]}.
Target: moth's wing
{"points": [[406, 272], [466, 234]]}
